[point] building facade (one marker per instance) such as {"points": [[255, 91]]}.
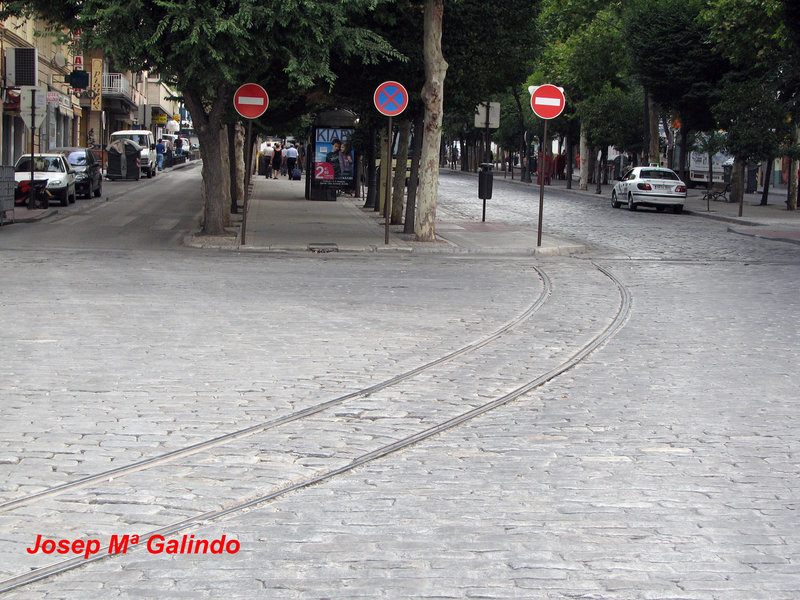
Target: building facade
{"points": [[114, 100]]}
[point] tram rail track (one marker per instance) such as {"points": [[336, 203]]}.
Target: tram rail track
{"points": [[285, 419], [575, 358]]}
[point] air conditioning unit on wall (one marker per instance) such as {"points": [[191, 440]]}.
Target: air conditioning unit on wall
{"points": [[22, 66]]}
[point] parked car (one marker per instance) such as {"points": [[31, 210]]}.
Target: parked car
{"points": [[53, 167], [654, 186], [88, 175], [144, 137]]}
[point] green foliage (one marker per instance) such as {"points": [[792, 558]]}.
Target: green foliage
{"points": [[757, 125], [613, 117], [674, 58]]}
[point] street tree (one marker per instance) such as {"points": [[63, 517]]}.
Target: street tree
{"points": [[675, 61], [210, 50], [760, 94], [433, 99], [584, 53]]}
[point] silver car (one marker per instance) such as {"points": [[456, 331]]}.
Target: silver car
{"points": [[650, 186]]}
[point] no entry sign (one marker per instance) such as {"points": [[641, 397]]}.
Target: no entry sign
{"points": [[391, 98], [250, 100], [547, 101]]}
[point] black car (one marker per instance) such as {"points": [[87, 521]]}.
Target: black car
{"points": [[88, 174]]}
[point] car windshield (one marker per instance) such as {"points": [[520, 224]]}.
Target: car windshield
{"points": [[658, 174], [77, 158], [40, 164], [138, 138]]}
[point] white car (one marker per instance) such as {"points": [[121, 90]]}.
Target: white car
{"points": [[53, 167], [654, 186]]}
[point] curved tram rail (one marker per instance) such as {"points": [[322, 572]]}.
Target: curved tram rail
{"points": [[576, 358]]}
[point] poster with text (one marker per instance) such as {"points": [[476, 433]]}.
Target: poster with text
{"points": [[334, 159]]}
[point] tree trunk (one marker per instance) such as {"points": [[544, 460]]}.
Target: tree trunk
{"points": [[599, 172], [791, 201], [570, 157], [737, 181], [399, 184], [411, 202], [216, 172], [767, 181], [432, 98], [386, 163], [230, 131], [684, 152], [654, 148], [584, 149], [372, 191], [238, 171]]}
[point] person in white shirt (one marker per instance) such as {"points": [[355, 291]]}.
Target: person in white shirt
{"points": [[291, 158]]}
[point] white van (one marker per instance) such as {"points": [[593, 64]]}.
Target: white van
{"points": [[143, 137]]}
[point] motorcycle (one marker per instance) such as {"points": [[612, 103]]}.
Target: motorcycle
{"points": [[40, 197]]}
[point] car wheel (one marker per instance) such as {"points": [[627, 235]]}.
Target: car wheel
{"points": [[99, 191], [678, 209], [614, 202], [631, 203], [65, 198]]}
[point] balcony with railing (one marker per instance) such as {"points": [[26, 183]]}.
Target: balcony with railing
{"points": [[117, 85]]}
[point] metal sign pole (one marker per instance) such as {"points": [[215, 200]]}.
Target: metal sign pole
{"points": [[31, 196], [387, 205], [542, 161]]}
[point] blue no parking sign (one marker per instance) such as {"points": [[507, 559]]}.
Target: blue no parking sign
{"points": [[391, 98]]}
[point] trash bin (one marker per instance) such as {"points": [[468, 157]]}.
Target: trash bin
{"points": [[123, 160], [751, 184], [727, 170], [485, 180]]}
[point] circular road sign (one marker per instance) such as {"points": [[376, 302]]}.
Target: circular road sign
{"points": [[391, 98], [250, 100], [547, 101]]}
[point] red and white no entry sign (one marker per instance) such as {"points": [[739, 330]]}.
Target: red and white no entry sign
{"points": [[547, 101], [250, 100]]}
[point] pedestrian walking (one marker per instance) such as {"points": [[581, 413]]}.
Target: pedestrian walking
{"points": [[161, 149], [277, 158], [291, 158], [266, 156]]}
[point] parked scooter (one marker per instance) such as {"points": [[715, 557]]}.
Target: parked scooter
{"points": [[40, 197]]}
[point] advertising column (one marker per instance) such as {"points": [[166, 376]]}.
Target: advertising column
{"points": [[334, 158]]}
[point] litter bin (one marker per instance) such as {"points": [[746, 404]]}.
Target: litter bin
{"points": [[751, 184], [485, 180], [485, 177], [727, 170], [123, 160]]}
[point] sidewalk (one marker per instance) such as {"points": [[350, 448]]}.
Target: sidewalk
{"points": [[280, 219]]}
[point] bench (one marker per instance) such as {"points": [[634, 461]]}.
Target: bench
{"points": [[718, 192]]}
